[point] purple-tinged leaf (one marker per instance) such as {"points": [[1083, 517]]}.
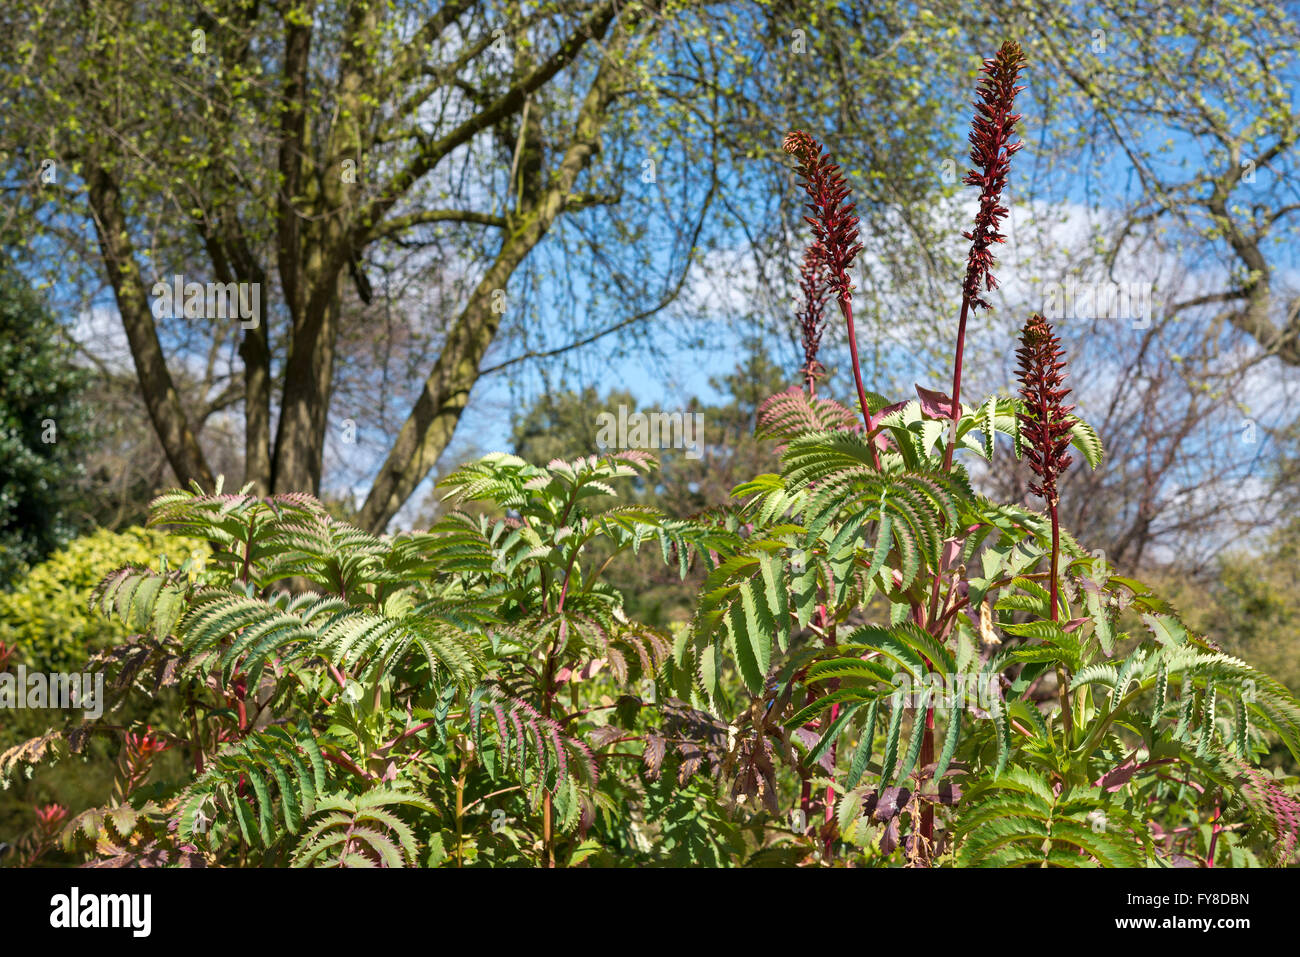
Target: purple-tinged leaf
{"points": [[936, 405]]}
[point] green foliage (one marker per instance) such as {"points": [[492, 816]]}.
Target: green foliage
{"points": [[969, 642], [42, 421], [1018, 820], [565, 425], [914, 672], [268, 782], [356, 720], [476, 693], [362, 832], [46, 617]]}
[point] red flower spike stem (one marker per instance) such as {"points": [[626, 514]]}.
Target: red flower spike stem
{"points": [[811, 315], [1045, 435], [835, 231], [991, 152]]}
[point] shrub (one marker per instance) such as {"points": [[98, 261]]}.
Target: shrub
{"points": [[47, 621], [42, 418]]}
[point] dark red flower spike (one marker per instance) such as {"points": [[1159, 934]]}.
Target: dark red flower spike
{"points": [[991, 152], [812, 313], [835, 235], [1045, 425]]}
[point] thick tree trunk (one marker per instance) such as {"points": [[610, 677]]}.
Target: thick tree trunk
{"points": [[304, 409], [315, 247], [156, 385], [234, 262], [256, 355]]}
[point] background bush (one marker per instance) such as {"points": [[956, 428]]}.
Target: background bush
{"points": [[46, 619], [42, 423]]}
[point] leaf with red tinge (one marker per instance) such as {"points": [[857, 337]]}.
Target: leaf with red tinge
{"points": [[561, 759], [586, 760], [653, 755], [636, 457], [569, 675], [951, 549], [500, 714], [889, 840], [1122, 773], [810, 738], [935, 404], [1117, 776], [585, 819], [605, 734], [949, 793], [891, 802], [692, 759], [881, 438]]}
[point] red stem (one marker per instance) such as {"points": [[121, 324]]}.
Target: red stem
{"points": [[1056, 561], [956, 382], [828, 842], [927, 809], [1067, 713], [846, 308], [926, 834], [925, 829]]}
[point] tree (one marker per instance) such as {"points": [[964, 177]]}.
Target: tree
{"points": [[367, 108], [550, 176], [305, 148], [1201, 104]]}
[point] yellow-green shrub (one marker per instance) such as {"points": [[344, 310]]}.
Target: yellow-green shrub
{"points": [[46, 617]]}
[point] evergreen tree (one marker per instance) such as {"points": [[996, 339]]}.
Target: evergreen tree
{"points": [[42, 418]]}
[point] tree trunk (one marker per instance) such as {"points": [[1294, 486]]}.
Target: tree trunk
{"points": [[304, 410], [160, 397]]}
